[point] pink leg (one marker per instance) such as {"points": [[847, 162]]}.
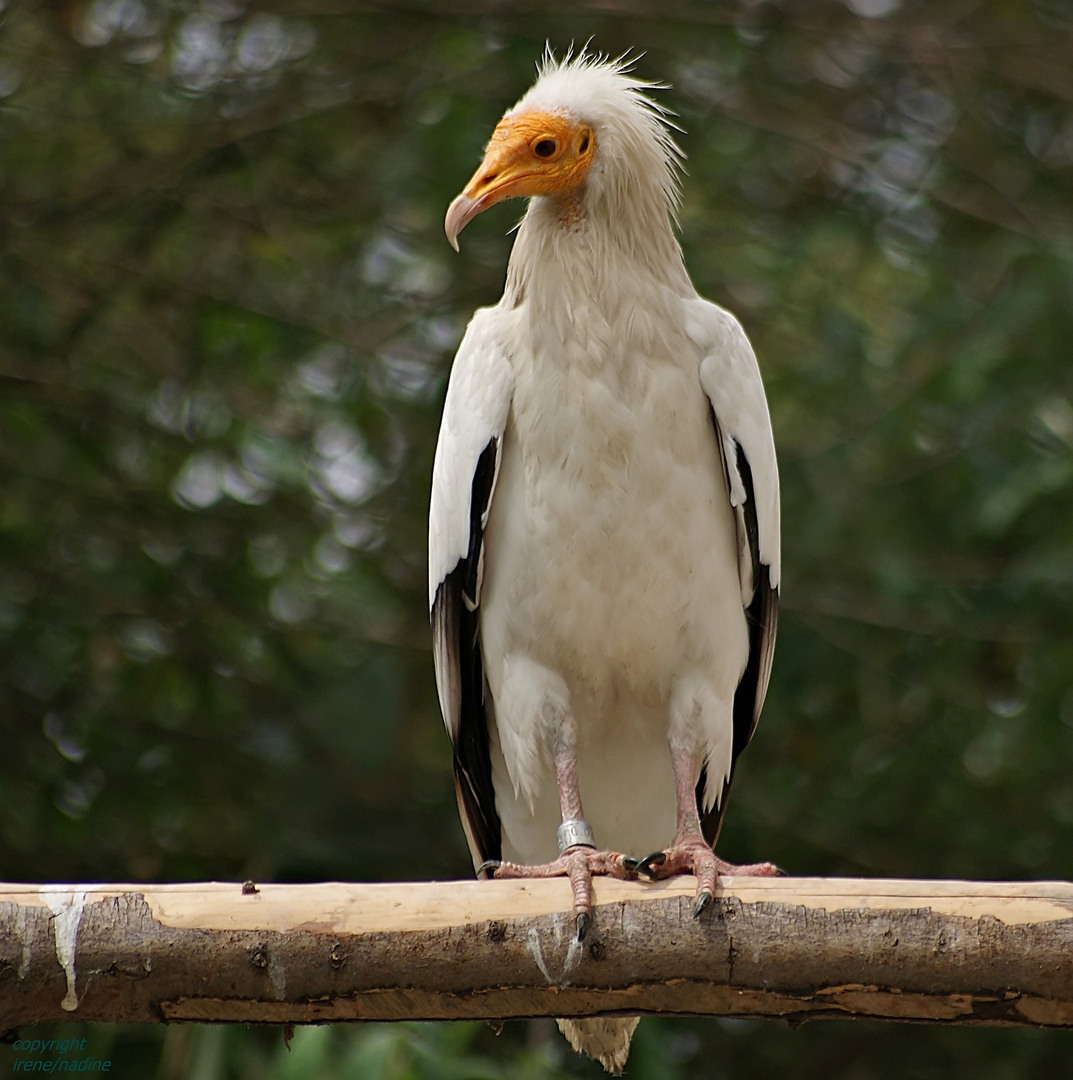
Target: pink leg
{"points": [[690, 852], [579, 859]]}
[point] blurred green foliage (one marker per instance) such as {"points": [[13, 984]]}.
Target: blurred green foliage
{"points": [[227, 312]]}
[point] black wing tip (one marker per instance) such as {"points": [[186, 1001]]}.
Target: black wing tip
{"points": [[454, 614], [711, 821]]}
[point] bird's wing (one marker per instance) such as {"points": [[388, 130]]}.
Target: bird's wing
{"points": [[730, 377], [463, 482]]}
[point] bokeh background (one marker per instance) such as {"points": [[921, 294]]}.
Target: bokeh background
{"points": [[227, 315]]}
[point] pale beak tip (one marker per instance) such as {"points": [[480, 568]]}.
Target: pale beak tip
{"points": [[459, 214]]}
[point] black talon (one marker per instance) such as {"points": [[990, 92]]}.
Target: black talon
{"points": [[702, 903], [645, 865], [582, 926], [488, 864]]}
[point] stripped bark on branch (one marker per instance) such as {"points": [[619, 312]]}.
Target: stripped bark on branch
{"points": [[791, 948]]}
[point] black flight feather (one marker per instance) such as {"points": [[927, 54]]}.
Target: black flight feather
{"points": [[454, 615], [761, 617]]}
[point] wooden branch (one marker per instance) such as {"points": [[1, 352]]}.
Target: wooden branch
{"points": [[796, 948]]}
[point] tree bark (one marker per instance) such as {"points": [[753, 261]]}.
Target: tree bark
{"points": [[794, 948]]}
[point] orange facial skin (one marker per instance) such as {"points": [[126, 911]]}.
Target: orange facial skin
{"points": [[532, 153]]}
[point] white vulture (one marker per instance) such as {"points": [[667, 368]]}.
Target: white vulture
{"points": [[604, 524]]}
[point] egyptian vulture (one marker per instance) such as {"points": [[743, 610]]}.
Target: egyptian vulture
{"points": [[604, 523]]}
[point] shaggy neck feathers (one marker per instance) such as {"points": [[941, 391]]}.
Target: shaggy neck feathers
{"points": [[612, 239]]}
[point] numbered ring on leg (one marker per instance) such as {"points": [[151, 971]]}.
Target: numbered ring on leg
{"points": [[574, 833]]}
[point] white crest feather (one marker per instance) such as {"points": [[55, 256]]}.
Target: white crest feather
{"points": [[635, 130]]}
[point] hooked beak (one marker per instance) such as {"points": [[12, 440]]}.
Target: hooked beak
{"points": [[512, 168], [459, 214], [507, 171]]}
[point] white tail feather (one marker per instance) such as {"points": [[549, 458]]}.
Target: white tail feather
{"points": [[605, 1038]]}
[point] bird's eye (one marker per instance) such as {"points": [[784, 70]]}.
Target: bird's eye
{"points": [[584, 144], [545, 148]]}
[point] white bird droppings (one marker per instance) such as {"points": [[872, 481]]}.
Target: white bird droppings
{"points": [[24, 932], [533, 946], [66, 908], [574, 951]]}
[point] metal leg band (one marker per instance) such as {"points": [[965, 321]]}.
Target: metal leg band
{"points": [[574, 833]]}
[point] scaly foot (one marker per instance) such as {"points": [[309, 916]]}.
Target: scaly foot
{"points": [[694, 856], [579, 864]]}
